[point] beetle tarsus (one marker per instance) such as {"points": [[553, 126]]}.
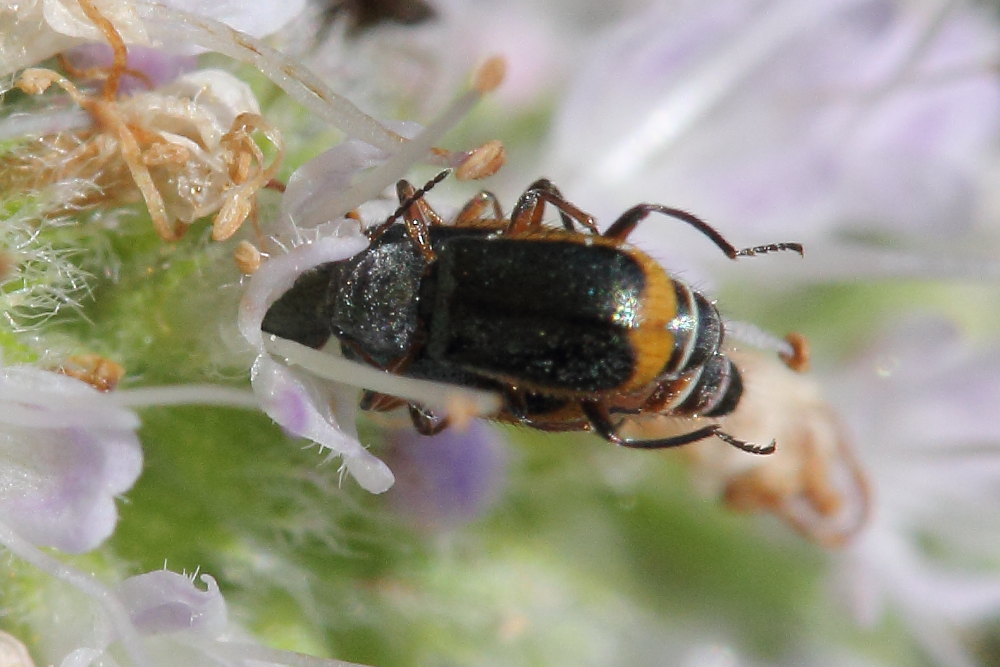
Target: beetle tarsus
{"points": [[745, 446], [600, 421], [425, 421]]}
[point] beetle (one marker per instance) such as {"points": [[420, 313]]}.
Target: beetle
{"points": [[570, 325]]}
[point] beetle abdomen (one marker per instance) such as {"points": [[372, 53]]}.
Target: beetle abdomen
{"points": [[713, 389], [698, 331]]}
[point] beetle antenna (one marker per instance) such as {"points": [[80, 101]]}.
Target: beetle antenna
{"points": [[379, 229], [627, 221]]}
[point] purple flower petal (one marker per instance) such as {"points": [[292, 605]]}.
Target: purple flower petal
{"points": [[158, 66], [35, 31], [165, 602], [449, 478], [66, 451], [299, 404]]}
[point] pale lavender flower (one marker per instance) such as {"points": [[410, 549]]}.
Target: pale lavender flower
{"points": [[168, 620], [449, 478], [66, 452], [314, 394], [782, 117], [164, 602], [319, 411], [38, 30], [921, 408], [156, 65]]}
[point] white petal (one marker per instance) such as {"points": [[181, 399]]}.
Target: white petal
{"points": [[67, 18], [288, 400], [13, 653], [165, 602], [306, 202], [61, 470], [34, 31]]}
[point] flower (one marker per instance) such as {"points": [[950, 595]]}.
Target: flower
{"points": [[185, 148], [304, 407], [783, 118], [13, 652], [447, 479], [164, 602], [813, 481], [891, 466], [814, 121], [66, 452], [919, 405], [165, 619], [299, 400], [390, 65], [41, 29], [152, 67]]}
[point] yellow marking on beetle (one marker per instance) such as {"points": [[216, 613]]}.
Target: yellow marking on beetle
{"points": [[651, 341]]}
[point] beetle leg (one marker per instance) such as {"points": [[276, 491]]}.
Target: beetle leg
{"points": [[374, 400], [516, 405], [600, 421], [745, 446], [473, 209], [660, 398], [527, 215], [425, 421], [627, 221], [379, 402]]}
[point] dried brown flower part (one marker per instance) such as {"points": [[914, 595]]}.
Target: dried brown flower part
{"points": [[187, 149], [99, 372], [813, 481]]}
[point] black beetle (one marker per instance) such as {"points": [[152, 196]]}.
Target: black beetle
{"points": [[569, 326]]}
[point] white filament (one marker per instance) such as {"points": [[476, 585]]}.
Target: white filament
{"points": [[371, 184], [434, 395], [754, 336], [186, 394]]}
